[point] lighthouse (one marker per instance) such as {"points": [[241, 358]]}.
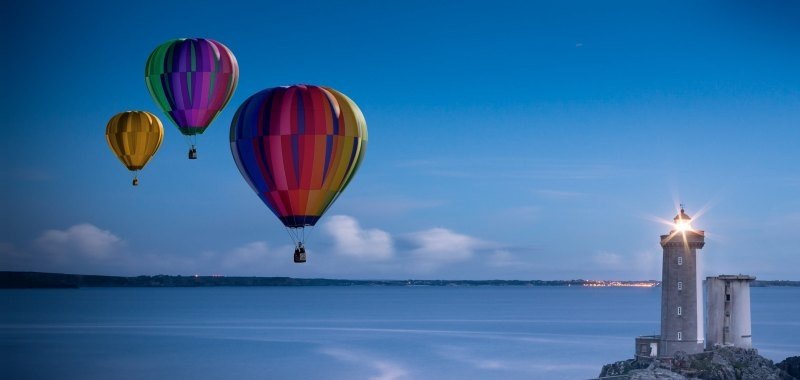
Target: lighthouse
{"points": [[682, 328], [681, 289]]}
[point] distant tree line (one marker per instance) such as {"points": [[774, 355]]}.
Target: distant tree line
{"points": [[61, 280]]}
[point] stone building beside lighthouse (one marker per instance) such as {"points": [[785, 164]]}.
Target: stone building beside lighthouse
{"points": [[728, 311], [683, 327]]}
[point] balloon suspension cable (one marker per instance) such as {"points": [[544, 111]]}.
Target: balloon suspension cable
{"points": [[307, 238], [294, 223], [290, 235], [293, 235], [188, 140]]}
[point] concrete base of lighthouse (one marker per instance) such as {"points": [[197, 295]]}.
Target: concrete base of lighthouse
{"points": [[669, 347]]}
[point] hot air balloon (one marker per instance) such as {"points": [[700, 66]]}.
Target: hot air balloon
{"points": [[191, 79], [134, 136], [298, 147]]}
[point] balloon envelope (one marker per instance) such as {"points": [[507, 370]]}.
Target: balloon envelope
{"points": [[191, 79], [298, 147], [134, 137]]}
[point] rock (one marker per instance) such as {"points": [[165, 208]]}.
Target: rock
{"points": [[727, 363], [791, 366], [655, 374], [622, 367]]}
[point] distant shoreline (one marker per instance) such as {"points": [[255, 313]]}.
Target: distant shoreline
{"points": [[33, 280]]}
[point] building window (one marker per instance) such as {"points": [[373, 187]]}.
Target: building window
{"points": [[680, 335], [727, 297], [680, 260], [680, 285], [680, 310]]}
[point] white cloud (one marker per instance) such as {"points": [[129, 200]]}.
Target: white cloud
{"points": [[81, 248], [9, 256], [559, 194], [439, 246], [648, 264], [82, 239], [389, 205], [503, 258], [484, 361], [636, 266], [246, 255], [27, 174], [6, 248], [521, 213], [513, 168], [351, 240], [607, 260], [251, 259], [386, 369], [366, 252]]}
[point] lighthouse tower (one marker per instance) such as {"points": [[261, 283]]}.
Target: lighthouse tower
{"points": [[681, 289]]}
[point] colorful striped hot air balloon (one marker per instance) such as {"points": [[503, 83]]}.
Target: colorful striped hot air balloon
{"points": [[298, 147], [134, 136], [191, 79]]}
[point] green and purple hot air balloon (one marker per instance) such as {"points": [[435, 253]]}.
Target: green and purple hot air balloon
{"points": [[191, 79]]}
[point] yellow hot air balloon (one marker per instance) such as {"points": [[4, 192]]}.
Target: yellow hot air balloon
{"points": [[134, 136]]}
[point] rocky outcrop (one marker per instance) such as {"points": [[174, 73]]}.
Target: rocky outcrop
{"points": [[622, 367], [791, 366], [655, 374], [728, 363]]}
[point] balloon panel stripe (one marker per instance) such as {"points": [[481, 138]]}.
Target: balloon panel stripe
{"points": [[191, 80], [134, 137], [297, 147]]}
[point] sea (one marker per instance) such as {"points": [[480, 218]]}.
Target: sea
{"points": [[338, 332]]}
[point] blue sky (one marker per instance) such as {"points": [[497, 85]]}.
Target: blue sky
{"points": [[513, 140]]}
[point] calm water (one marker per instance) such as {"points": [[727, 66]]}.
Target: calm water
{"points": [[344, 332]]}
